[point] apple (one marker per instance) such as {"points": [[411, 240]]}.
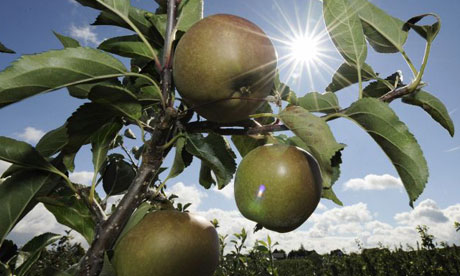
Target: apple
{"points": [[278, 186], [168, 243], [220, 57]]}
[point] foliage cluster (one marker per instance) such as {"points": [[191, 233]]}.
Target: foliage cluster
{"points": [[428, 258]]}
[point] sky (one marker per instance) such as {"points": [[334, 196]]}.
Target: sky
{"points": [[375, 207]]}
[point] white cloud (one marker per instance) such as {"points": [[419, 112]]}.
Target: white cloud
{"points": [[227, 191], [31, 135], [187, 194], [338, 228], [453, 149], [85, 33], [39, 221], [83, 177], [73, 2], [373, 182], [3, 166]]}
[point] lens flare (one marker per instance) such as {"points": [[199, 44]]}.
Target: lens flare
{"points": [[261, 191]]}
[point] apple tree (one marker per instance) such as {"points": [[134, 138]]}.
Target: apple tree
{"points": [[234, 105]]}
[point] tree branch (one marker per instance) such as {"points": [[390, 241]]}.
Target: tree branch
{"points": [[108, 230], [399, 92]]}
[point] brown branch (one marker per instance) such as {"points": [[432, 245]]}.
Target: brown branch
{"points": [[108, 231], [399, 92]]}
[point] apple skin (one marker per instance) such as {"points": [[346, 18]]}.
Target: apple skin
{"points": [[220, 57], [168, 243], [278, 186]]}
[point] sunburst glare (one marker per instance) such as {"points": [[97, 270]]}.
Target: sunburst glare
{"points": [[305, 48], [303, 44]]}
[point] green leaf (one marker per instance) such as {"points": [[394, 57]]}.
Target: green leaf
{"points": [[70, 211], [117, 97], [189, 12], [100, 144], [48, 71], [33, 250], [393, 136], [378, 88], [182, 158], [16, 192], [428, 32], [139, 18], [347, 75], [215, 152], [3, 49], [127, 46], [206, 180], [159, 22], [385, 33], [329, 194], [81, 91], [284, 90], [118, 176], [121, 6], [52, 142], [24, 155], [244, 144], [317, 137], [433, 106], [346, 31], [84, 122], [135, 218], [107, 267], [317, 102], [66, 41]]}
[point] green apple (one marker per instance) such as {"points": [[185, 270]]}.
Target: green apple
{"points": [[221, 57], [168, 243], [278, 186]]}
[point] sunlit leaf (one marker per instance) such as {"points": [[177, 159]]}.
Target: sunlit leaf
{"points": [[48, 71], [190, 11], [329, 194], [317, 137], [317, 102], [393, 136], [432, 106], [385, 33], [346, 31], [347, 75], [66, 41]]}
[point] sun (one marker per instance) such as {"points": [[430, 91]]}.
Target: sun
{"points": [[305, 49]]}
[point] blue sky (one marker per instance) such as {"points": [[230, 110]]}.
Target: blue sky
{"points": [[376, 208]]}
